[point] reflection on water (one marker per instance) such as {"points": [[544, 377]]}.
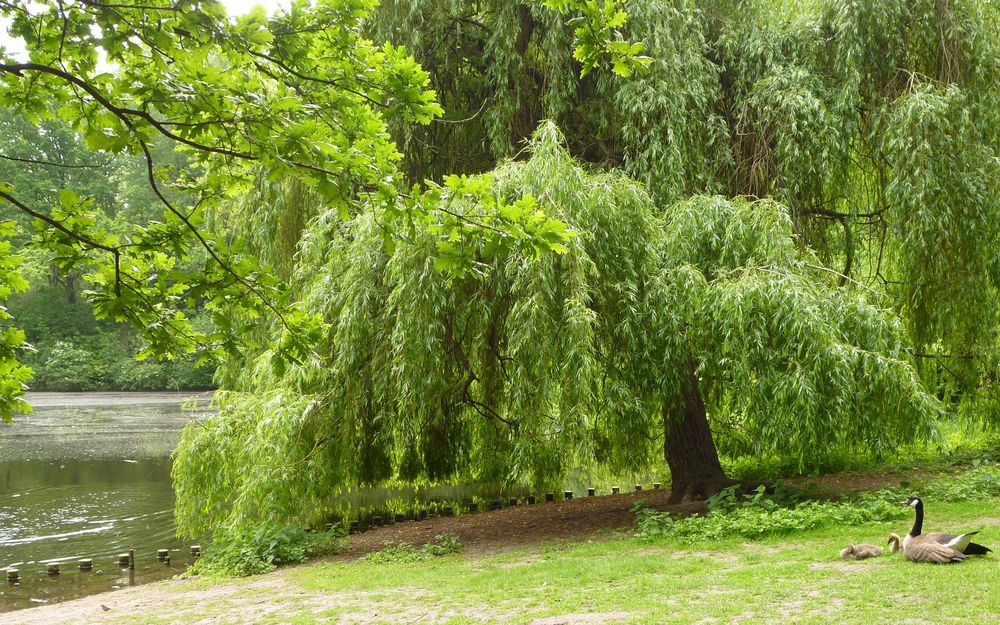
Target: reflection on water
{"points": [[87, 476]]}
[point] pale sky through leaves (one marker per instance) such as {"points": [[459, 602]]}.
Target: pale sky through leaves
{"points": [[15, 48]]}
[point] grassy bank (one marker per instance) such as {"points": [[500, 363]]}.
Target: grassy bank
{"points": [[795, 578]]}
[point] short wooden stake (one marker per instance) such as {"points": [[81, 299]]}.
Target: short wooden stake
{"points": [[591, 492], [399, 518], [162, 553], [656, 486], [53, 568], [531, 500], [196, 551], [13, 575], [131, 559], [448, 511], [497, 504], [638, 488], [377, 521], [615, 490], [123, 559], [550, 496], [567, 494], [86, 564], [354, 527]]}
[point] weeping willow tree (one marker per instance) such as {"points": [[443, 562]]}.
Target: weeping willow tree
{"points": [[650, 331], [874, 123]]}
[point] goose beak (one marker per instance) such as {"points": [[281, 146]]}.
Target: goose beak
{"points": [[904, 503]]}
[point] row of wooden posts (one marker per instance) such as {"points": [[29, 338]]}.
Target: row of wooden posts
{"points": [[496, 504], [125, 560]]}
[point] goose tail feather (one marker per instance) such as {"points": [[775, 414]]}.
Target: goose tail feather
{"points": [[975, 549]]}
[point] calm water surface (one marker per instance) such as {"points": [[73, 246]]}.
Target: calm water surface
{"points": [[87, 475]]}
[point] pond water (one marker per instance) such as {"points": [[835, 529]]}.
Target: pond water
{"points": [[87, 475]]}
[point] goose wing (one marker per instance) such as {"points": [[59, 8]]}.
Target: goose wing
{"points": [[958, 542], [932, 551]]}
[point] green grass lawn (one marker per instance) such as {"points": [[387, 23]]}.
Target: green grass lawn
{"points": [[797, 578]]}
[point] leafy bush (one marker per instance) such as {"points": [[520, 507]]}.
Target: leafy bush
{"points": [[758, 522], [980, 482], [780, 496], [261, 550], [105, 361], [442, 544], [63, 366], [762, 515]]}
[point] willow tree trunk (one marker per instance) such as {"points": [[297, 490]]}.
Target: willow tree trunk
{"points": [[695, 471]]}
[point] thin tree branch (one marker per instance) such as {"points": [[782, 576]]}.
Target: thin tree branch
{"points": [[76, 236], [34, 161]]}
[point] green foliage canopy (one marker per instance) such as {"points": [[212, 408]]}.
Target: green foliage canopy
{"points": [[517, 370], [874, 122]]}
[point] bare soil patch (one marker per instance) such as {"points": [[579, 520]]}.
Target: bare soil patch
{"points": [[510, 528], [838, 484]]}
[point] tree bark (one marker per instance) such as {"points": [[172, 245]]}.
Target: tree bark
{"points": [[695, 471]]}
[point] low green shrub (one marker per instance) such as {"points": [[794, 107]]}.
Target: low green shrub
{"points": [[761, 514], [980, 482], [261, 550], [442, 544], [758, 522]]}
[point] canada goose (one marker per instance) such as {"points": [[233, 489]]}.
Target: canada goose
{"points": [[860, 552], [934, 547], [922, 550]]}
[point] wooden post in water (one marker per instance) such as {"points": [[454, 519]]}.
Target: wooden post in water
{"points": [[13, 575], [86, 564], [131, 559], [123, 560], [162, 553], [53, 568], [195, 551]]}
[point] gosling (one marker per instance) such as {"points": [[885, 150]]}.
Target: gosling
{"points": [[860, 552]]}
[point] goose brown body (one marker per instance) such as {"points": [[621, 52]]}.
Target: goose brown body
{"points": [[934, 547]]}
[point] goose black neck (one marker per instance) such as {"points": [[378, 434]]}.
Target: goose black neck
{"points": [[919, 521]]}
